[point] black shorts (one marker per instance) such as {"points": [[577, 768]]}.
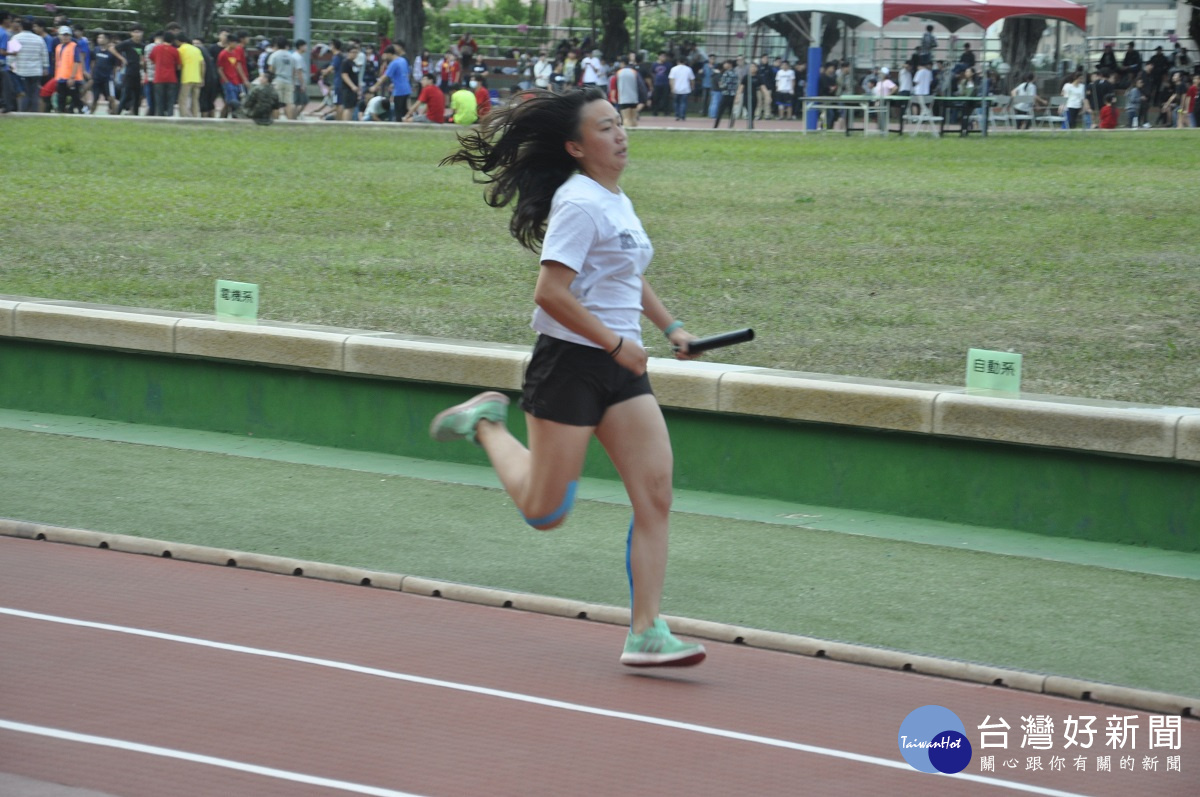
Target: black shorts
{"points": [[574, 384], [102, 87]]}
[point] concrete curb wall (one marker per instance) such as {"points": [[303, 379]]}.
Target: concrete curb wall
{"points": [[1145, 700], [1134, 430]]}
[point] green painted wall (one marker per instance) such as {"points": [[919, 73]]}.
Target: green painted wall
{"points": [[1051, 492]]}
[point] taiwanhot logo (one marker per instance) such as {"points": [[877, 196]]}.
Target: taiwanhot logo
{"points": [[933, 739]]}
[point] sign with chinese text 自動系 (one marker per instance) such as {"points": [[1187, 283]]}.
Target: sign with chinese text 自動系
{"points": [[993, 370], [237, 301]]}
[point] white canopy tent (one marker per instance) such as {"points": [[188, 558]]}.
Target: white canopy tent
{"points": [[852, 11], [951, 13]]}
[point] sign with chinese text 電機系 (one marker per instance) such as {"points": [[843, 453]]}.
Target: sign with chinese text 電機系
{"points": [[993, 370], [237, 301]]}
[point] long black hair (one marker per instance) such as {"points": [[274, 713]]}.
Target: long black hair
{"points": [[519, 152]]}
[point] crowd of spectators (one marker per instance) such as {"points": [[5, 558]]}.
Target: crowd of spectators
{"points": [[58, 67], [61, 68], [1160, 91]]}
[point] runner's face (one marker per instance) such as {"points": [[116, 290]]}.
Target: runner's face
{"points": [[602, 146]]}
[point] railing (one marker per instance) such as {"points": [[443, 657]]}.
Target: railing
{"points": [[284, 26], [522, 37], [106, 18]]}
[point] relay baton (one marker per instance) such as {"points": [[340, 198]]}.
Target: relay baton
{"points": [[717, 341]]}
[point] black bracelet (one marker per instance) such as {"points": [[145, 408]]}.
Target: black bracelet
{"points": [[617, 348]]}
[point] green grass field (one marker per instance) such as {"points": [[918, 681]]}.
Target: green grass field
{"points": [[865, 257], [1087, 622]]}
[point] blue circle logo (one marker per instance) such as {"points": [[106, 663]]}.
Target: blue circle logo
{"points": [[933, 739]]}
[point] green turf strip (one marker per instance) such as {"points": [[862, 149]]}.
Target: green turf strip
{"points": [[1087, 622], [867, 256]]}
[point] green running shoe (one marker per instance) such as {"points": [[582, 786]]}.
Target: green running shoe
{"points": [[657, 647], [459, 422]]}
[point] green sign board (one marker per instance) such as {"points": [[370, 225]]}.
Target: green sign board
{"points": [[993, 370], [237, 301]]}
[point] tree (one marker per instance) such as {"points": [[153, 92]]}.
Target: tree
{"points": [[410, 25], [1019, 40], [1194, 22], [654, 24], [614, 35], [194, 15]]}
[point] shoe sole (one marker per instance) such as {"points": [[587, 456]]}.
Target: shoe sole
{"points": [[652, 660], [469, 404]]}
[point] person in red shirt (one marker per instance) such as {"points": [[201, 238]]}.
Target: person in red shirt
{"points": [[483, 97], [451, 71], [1189, 107], [1109, 115], [431, 103], [166, 75], [233, 76], [467, 47], [240, 38]]}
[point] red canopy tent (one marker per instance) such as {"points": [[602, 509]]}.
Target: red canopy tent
{"points": [[953, 14]]}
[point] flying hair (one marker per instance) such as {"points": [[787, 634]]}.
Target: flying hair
{"points": [[519, 153]]}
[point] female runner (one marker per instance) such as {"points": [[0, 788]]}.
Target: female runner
{"points": [[559, 157]]}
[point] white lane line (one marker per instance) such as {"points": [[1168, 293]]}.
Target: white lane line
{"points": [[534, 700], [224, 763]]}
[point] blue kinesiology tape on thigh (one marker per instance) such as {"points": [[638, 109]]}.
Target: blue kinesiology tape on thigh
{"points": [[563, 508]]}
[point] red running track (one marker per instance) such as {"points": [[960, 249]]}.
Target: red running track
{"points": [[258, 684]]}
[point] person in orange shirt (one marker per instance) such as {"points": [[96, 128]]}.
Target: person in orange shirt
{"points": [[69, 72]]}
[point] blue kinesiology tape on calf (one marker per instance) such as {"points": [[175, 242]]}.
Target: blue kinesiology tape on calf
{"points": [[563, 508], [629, 569]]}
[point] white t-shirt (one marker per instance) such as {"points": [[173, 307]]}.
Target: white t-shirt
{"points": [[681, 77], [543, 71], [906, 81], [149, 63], [596, 234], [923, 81], [1025, 90], [785, 81], [376, 107], [591, 69], [1074, 95]]}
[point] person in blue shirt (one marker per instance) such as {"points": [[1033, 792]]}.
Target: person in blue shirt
{"points": [[334, 71], [398, 74], [84, 47], [8, 91], [707, 83], [49, 38], [106, 63]]}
